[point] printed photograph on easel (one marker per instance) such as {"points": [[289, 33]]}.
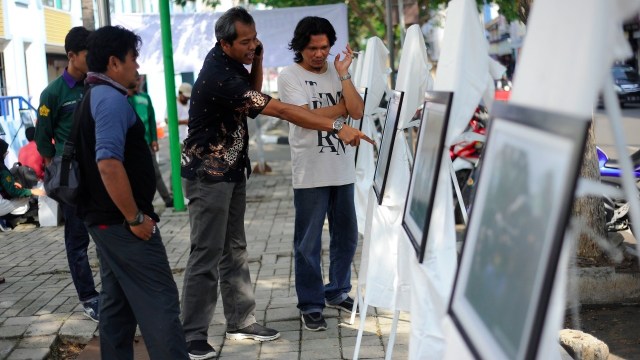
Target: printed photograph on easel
{"points": [[363, 93], [386, 145], [425, 169], [516, 229]]}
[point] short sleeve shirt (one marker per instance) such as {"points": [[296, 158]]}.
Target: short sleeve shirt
{"points": [[318, 158], [216, 148]]}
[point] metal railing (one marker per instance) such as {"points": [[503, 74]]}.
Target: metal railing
{"points": [[16, 114]]}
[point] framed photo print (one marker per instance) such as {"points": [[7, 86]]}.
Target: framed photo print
{"points": [[363, 92], [514, 237], [426, 167], [386, 144]]}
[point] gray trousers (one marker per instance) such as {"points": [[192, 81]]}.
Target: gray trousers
{"points": [[160, 186], [137, 288], [218, 251]]}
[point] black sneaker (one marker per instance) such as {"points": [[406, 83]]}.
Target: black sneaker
{"points": [[200, 349], [314, 321], [254, 332], [3, 226], [92, 309], [345, 305]]}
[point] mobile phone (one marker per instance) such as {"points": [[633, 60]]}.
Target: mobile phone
{"points": [[258, 50]]}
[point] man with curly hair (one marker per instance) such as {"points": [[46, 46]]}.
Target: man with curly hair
{"points": [[322, 167]]}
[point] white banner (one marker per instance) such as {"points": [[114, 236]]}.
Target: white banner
{"points": [[193, 35]]}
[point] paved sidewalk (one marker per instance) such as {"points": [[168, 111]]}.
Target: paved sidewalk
{"points": [[38, 303]]}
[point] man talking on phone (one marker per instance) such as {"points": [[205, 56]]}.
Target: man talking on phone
{"points": [[216, 165]]}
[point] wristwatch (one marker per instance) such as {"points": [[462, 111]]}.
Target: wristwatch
{"points": [[346, 77], [138, 220], [337, 126]]}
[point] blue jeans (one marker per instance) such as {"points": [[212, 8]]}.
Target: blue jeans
{"points": [[312, 205], [76, 243]]}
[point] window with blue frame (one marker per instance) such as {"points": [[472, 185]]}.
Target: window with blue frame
{"points": [[64, 5]]}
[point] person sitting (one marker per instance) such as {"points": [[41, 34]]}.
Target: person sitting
{"points": [[14, 199], [29, 155]]}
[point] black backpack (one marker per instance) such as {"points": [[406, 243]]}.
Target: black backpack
{"points": [[24, 175]]}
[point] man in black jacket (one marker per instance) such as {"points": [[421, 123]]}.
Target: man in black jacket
{"points": [[118, 184]]}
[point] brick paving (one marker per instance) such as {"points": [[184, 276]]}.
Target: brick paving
{"points": [[38, 303]]}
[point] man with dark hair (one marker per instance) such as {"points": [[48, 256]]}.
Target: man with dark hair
{"points": [[115, 201], [323, 170], [182, 106], [55, 118], [143, 106], [214, 160]]}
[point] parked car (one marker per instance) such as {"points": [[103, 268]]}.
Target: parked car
{"points": [[627, 84]]}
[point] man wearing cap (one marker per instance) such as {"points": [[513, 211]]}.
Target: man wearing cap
{"points": [[184, 94]]}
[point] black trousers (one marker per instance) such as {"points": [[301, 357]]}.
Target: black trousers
{"points": [[137, 288]]}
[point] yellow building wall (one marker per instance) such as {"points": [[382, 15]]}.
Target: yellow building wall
{"points": [[57, 24]]}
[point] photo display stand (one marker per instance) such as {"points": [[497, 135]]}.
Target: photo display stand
{"points": [[426, 167], [386, 145], [363, 93], [514, 238]]}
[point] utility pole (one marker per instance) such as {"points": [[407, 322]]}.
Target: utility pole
{"points": [[172, 110], [104, 13], [389, 21]]}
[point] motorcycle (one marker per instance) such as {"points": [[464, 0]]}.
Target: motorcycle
{"points": [[610, 170], [465, 156], [616, 210]]}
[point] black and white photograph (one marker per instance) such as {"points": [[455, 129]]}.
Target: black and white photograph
{"points": [[515, 232], [386, 145], [425, 170], [358, 123]]}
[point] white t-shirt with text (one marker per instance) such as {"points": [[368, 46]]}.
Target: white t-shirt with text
{"points": [[318, 158]]}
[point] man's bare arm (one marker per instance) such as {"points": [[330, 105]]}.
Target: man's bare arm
{"points": [[332, 112], [304, 118], [353, 100]]}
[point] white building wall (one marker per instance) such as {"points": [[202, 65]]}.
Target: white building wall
{"points": [[26, 70], [24, 56], [14, 67], [36, 65], [76, 12]]}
